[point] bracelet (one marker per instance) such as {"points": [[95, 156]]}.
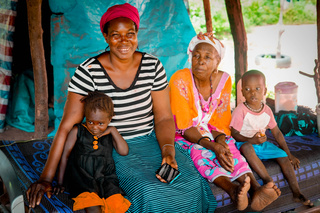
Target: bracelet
{"points": [[167, 145], [215, 139], [203, 138]]}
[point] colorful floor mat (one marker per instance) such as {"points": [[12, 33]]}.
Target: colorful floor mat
{"points": [[28, 159]]}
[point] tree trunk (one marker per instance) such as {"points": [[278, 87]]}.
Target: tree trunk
{"points": [[207, 12], [239, 38], [39, 68]]}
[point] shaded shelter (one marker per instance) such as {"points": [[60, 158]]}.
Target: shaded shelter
{"points": [[160, 36]]}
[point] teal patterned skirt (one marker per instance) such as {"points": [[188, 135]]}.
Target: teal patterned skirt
{"points": [[190, 192]]}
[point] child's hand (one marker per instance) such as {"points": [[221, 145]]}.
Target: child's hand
{"points": [[258, 138], [107, 131], [58, 189], [294, 161]]}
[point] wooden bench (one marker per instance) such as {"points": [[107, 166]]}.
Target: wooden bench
{"points": [[26, 161]]}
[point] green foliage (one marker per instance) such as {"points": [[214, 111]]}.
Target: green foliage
{"points": [[261, 13], [255, 13], [300, 13], [233, 91], [270, 94], [198, 18], [220, 22]]}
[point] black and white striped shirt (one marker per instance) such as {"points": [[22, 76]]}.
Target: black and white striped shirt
{"points": [[132, 106]]}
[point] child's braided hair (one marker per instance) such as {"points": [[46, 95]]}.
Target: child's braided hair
{"points": [[98, 101]]}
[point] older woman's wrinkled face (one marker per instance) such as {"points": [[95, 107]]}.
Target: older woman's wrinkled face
{"points": [[122, 37], [205, 60]]}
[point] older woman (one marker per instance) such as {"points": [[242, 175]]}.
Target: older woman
{"points": [[200, 102], [137, 84]]}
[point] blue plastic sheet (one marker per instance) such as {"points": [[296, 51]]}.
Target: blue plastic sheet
{"points": [[165, 31], [21, 110]]}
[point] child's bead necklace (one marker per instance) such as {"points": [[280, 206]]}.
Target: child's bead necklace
{"points": [[253, 110], [95, 138]]}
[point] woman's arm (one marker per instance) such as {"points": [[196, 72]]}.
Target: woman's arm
{"points": [[164, 126], [70, 142], [223, 154], [73, 113]]}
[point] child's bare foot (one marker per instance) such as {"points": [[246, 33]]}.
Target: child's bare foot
{"points": [[242, 194], [265, 195], [301, 198]]}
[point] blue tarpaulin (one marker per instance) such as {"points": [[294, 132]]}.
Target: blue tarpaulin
{"points": [[165, 31]]}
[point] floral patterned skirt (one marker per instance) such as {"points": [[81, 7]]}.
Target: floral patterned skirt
{"points": [[208, 165]]}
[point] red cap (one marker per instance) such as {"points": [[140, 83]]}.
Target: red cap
{"points": [[120, 10]]}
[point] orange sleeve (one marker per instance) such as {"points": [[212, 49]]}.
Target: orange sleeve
{"points": [[182, 99]]}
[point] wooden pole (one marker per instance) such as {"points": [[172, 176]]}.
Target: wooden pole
{"points": [[239, 38], [207, 12], [39, 68]]}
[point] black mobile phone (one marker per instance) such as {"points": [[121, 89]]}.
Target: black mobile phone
{"points": [[168, 173]]}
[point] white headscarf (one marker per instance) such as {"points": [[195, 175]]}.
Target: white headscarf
{"points": [[206, 38]]}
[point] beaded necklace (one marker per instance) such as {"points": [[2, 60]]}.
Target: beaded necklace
{"points": [[95, 138], [253, 110], [204, 109]]}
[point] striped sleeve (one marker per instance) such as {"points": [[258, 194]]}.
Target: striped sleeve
{"points": [[82, 81], [160, 81]]}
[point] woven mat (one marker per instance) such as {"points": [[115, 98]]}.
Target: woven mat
{"points": [[28, 159]]}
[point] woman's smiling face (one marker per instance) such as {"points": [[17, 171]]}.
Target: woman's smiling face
{"points": [[122, 37], [205, 60]]}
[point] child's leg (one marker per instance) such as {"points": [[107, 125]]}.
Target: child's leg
{"points": [[93, 209], [237, 193], [255, 163], [289, 174]]}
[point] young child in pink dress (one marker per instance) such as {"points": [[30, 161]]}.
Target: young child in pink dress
{"points": [[250, 120]]}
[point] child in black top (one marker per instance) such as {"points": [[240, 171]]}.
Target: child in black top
{"points": [[87, 166]]}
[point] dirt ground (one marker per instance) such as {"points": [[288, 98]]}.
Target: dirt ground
{"points": [[14, 134], [298, 41]]}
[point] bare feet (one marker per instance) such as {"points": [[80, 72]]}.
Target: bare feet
{"points": [[242, 194], [301, 198], [264, 196]]}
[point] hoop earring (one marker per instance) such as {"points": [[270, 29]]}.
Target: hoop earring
{"points": [[107, 48]]}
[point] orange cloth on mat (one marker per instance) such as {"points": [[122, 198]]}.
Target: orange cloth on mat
{"points": [[114, 204]]}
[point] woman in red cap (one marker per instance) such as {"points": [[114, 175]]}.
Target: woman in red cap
{"points": [[137, 84]]}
